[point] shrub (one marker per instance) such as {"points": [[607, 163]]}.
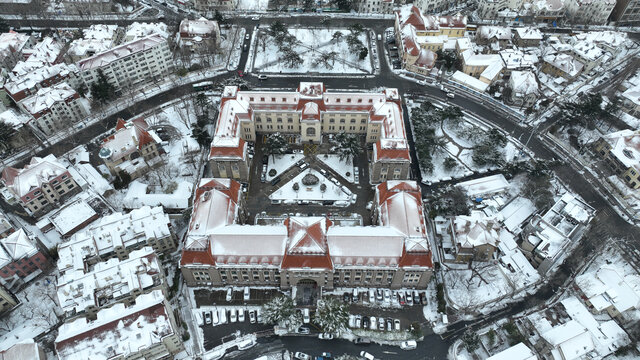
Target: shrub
{"points": [[272, 172]]}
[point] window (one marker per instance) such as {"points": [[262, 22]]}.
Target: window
{"points": [[311, 131], [342, 121]]}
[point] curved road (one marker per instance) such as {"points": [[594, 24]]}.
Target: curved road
{"points": [[434, 347]]}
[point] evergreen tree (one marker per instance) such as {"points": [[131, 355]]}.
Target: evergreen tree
{"points": [[280, 311], [101, 89], [331, 315], [348, 145]]}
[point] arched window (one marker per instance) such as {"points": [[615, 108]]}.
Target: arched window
{"points": [[311, 131]]}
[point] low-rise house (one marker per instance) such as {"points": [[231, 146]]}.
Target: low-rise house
{"points": [[589, 54], [41, 184], [44, 53], [609, 41], [19, 122], [589, 12], [548, 11], [414, 57], [469, 81], [497, 37], [21, 259], [133, 148], [548, 238], [129, 64], [138, 30], [25, 85], [145, 330], [524, 88], [27, 349], [485, 186], [563, 65], [199, 34], [621, 151], [375, 6], [517, 60], [176, 202], [6, 228], [115, 236], [608, 289], [485, 67], [83, 292], [631, 101], [527, 37], [520, 351], [55, 108], [474, 237], [72, 218], [12, 45]]}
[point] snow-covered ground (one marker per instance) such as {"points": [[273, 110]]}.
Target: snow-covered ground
{"points": [[310, 192], [260, 5], [280, 163], [37, 313], [343, 167], [312, 43]]}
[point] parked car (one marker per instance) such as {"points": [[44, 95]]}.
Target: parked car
{"points": [[305, 316], [233, 316], [358, 321], [214, 317], [304, 330], [363, 341], [366, 355], [389, 325], [325, 336], [301, 356], [346, 297], [255, 18], [401, 297], [365, 322], [451, 95], [372, 296], [304, 166], [241, 315], [246, 293], [416, 297], [423, 298], [387, 295], [207, 317], [252, 317], [247, 36], [355, 295], [381, 323], [275, 181], [408, 345], [223, 316], [262, 77], [374, 323], [379, 37], [323, 172], [240, 73], [229, 294], [258, 316], [396, 325], [379, 295]]}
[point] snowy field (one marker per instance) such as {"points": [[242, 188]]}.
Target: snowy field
{"points": [[312, 43], [281, 163], [343, 167], [252, 5], [311, 192]]}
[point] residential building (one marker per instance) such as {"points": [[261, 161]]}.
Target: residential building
{"points": [[211, 5], [485, 67], [524, 88], [307, 251], [27, 349], [55, 108], [488, 9], [474, 237], [520, 351], [138, 30], [609, 289], [561, 65], [630, 101], [96, 38], [83, 292], [199, 34], [134, 148], [621, 151], [6, 228], [19, 121], [115, 236], [547, 238], [375, 6], [427, 31], [47, 52], [588, 54], [527, 37], [21, 259], [40, 184], [435, 6], [414, 57], [8, 301], [12, 46], [591, 12], [548, 11], [626, 13], [145, 330], [610, 41], [485, 187], [497, 37], [25, 85], [129, 64], [72, 217], [517, 60], [310, 112]]}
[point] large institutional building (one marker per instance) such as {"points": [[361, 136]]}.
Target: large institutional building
{"points": [[221, 250], [310, 112]]}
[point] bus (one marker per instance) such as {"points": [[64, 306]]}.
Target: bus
{"points": [[203, 86]]}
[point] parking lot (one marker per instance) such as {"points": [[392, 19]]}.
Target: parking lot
{"points": [[207, 297]]}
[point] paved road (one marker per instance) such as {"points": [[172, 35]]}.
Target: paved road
{"points": [[433, 346]]}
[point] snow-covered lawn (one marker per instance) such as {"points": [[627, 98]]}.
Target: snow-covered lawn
{"points": [[466, 289], [343, 167], [310, 192], [252, 5], [37, 313], [280, 163], [312, 43]]}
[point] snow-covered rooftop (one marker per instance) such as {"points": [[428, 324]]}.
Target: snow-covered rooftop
{"points": [[100, 32], [18, 245], [36, 76], [38, 171], [493, 32], [519, 351], [108, 281], [529, 33], [45, 98], [139, 30], [109, 56], [566, 63], [476, 230], [608, 286], [523, 83], [46, 52], [469, 81], [14, 118], [86, 47], [488, 185], [587, 50], [138, 196], [130, 136], [118, 332], [71, 216], [625, 146], [201, 27], [11, 42]]}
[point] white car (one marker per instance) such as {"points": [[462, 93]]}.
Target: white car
{"points": [[256, 18], [366, 355], [301, 356], [387, 295], [234, 316], [262, 77], [246, 293], [408, 345], [252, 317], [207, 317], [229, 294], [374, 324], [305, 316], [451, 95], [247, 37], [325, 336], [215, 317], [223, 316], [240, 315]]}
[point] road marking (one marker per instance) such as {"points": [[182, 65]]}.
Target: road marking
{"points": [[390, 352]]}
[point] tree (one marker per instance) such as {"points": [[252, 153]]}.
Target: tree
{"points": [[6, 133], [308, 5], [343, 5], [4, 26], [280, 311], [538, 185], [363, 53], [202, 101], [296, 187], [337, 36], [122, 180], [275, 144], [354, 43], [348, 145], [471, 340], [101, 89], [447, 58], [449, 163], [332, 315], [291, 58], [217, 16], [356, 28], [323, 187], [201, 135], [277, 27], [491, 335], [326, 59]]}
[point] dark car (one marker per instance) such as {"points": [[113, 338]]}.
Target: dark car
{"points": [[346, 297], [265, 159], [365, 324], [362, 341], [275, 181]]}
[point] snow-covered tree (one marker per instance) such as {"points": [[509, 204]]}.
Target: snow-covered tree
{"points": [[331, 315], [348, 146], [276, 144], [280, 311]]}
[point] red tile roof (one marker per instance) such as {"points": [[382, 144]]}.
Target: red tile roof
{"points": [[193, 257], [416, 259], [391, 153], [292, 261], [228, 151]]}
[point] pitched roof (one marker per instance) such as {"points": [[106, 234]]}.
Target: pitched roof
{"points": [[18, 245], [38, 171]]}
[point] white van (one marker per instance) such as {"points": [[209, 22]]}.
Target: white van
{"points": [[408, 345], [366, 355]]}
